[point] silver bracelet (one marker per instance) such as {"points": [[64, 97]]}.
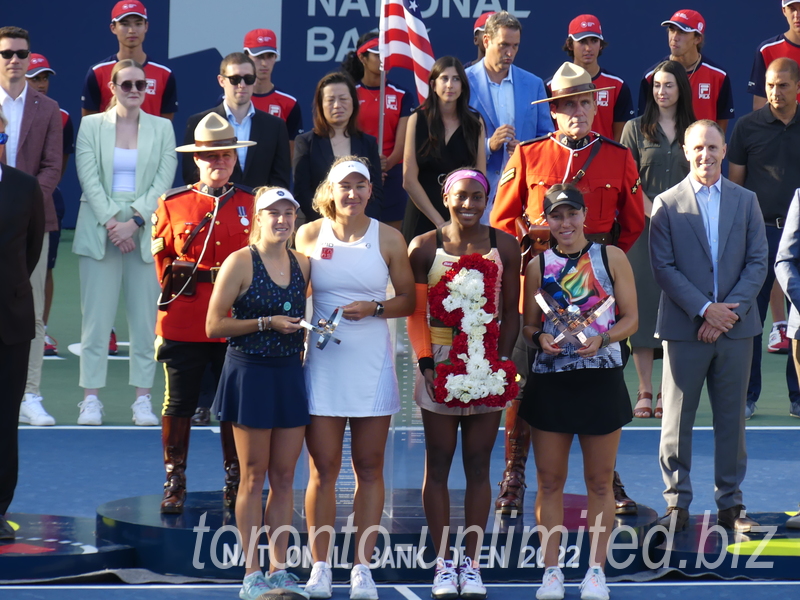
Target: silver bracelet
{"points": [[269, 323], [606, 340], [261, 323]]}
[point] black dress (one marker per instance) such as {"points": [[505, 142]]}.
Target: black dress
{"points": [[432, 171]]}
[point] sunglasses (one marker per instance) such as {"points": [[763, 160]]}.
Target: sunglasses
{"points": [[9, 54], [127, 86], [3, 138], [237, 79]]}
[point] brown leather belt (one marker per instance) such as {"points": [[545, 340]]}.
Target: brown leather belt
{"points": [[209, 276]]}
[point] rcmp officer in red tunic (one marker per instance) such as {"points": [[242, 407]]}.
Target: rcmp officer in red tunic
{"points": [[606, 174], [195, 228]]}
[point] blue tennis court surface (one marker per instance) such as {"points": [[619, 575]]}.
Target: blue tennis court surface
{"points": [[700, 590]]}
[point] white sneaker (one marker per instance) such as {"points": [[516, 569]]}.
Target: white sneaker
{"points": [[361, 585], [143, 412], [552, 587], [470, 584], [593, 586], [445, 580], [320, 583], [31, 411], [91, 411]]}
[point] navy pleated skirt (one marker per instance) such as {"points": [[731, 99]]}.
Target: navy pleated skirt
{"points": [[262, 392]]}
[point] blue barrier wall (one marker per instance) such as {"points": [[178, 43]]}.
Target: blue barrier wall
{"points": [[190, 36]]}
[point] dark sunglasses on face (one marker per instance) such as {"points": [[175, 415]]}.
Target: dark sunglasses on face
{"points": [[237, 79], [8, 54], [127, 86], [3, 138]]}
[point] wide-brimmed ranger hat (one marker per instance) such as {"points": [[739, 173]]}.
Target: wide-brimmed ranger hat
{"points": [[214, 133], [570, 80]]}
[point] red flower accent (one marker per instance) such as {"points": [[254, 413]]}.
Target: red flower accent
{"points": [[455, 366]]}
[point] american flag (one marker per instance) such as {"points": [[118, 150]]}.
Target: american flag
{"points": [[405, 43]]}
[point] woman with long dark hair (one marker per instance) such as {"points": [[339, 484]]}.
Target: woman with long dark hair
{"points": [[655, 140], [443, 135], [364, 66], [335, 134]]}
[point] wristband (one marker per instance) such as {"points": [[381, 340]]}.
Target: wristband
{"points": [[269, 323], [426, 362], [535, 338]]}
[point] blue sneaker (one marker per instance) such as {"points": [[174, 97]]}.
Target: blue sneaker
{"points": [[254, 587], [287, 581]]}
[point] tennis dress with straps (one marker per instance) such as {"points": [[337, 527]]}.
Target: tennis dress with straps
{"points": [[357, 377]]}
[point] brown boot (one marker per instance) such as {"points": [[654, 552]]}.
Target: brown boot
{"points": [[518, 441], [175, 440], [230, 460], [624, 505]]}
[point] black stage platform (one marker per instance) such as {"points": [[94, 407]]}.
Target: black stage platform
{"points": [[202, 543], [48, 547]]}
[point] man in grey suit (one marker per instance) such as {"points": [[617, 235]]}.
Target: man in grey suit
{"points": [[708, 250]]}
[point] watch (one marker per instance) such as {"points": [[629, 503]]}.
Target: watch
{"points": [[379, 308], [138, 220]]}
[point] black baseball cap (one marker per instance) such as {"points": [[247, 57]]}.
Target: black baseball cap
{"points": [[565, 195]]}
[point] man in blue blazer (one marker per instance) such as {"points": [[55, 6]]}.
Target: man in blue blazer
{"points": [[503, 93]]}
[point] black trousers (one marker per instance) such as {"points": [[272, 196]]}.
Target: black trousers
{"points": [[13, 374], [184, 363]]}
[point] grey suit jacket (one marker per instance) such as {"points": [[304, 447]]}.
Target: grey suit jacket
{"points": [[787, 264], [681, 259]]}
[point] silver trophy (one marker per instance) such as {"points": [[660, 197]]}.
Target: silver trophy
{"points": [[325, 328], [570, 321]]}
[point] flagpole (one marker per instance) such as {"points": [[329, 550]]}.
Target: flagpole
{"points": [[382, 101]]}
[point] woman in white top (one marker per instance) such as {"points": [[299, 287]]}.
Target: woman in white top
{"points": [[125, 159], [353, 258]]}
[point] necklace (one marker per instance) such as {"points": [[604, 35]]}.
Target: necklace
{"points": [[693, 70], [575, 255], [271, 263]]}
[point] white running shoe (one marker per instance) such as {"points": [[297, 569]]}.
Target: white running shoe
{"points": [[143, 412], [552, 587], [470, 584], [361, 585], [594, 585], [31, 411], [445, 580], [91, 411], [320, 582]]}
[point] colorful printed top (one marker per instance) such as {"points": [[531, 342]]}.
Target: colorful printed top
{"points": [[585, 282], [263, 298]]}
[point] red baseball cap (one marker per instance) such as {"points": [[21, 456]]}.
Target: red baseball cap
{"points": [[687, 20], [480, 22], [584, 26], [37, 65], [128, 7], [259, 41]]}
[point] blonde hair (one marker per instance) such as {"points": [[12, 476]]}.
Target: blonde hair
{"points": [[122, 64], [3, 117], [323, 201], [255, 230]]}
